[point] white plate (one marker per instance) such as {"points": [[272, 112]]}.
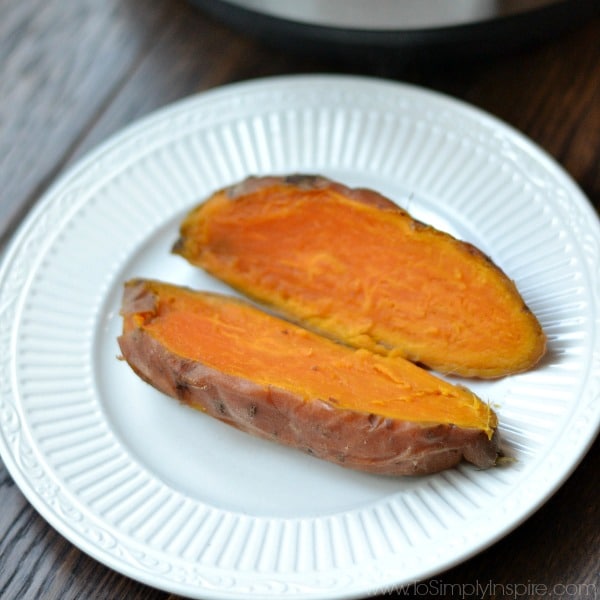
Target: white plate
{"points": [[174, 499]]}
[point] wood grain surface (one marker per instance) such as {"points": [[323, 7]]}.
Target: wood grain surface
{"points": [[73, 72]]}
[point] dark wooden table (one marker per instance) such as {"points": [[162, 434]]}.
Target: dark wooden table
{"points": [[72, 72]]}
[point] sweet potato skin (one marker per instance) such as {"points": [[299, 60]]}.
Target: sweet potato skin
{"points": [[429, 333], [349, 438]]}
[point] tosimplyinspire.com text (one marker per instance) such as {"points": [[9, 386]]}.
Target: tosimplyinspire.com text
{"points": [[484, 590]]}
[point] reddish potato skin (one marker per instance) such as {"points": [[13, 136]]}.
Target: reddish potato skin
{"points": [[356, 440]]}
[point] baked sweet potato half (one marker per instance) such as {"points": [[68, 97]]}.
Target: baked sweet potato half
{"points": [[276, 380], [352, 265]]}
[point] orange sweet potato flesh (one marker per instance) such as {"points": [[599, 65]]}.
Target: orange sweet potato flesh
{"points": [[274, 379], [352, 265]]}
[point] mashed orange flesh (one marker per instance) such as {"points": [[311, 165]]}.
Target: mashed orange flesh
{"points": [[370, 276], [237, 339]]}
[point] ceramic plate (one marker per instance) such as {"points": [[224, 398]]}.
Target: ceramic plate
{"points": [[184, 503]]}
